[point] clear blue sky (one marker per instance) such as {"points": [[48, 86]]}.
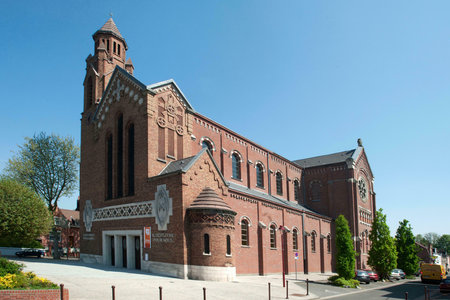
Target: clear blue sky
{"points": [[302, 78]]}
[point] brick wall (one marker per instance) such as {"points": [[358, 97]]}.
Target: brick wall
{"points": [[33, 294]]}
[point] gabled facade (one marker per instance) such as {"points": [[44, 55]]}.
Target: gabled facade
{"points": [[167, 190]]}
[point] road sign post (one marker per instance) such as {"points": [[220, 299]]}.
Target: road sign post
{"points": [[296, 258]]}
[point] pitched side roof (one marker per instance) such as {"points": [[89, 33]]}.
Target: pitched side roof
{"points": [[270, 198], [329, 159], [184, 164], [70, 214]]}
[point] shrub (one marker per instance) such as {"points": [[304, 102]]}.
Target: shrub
{"points": [[340, 281], [9, 267], [12, 277]]}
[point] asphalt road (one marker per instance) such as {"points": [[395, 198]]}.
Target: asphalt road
{"points": [[387, 290]]}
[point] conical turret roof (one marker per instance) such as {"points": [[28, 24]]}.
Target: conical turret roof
{"points": [[111, 28], [208, 199]]}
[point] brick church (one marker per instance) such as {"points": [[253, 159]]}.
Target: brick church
{"points": [[169, 191]]}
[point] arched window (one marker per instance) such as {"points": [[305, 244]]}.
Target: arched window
{"points": [[295, 239], [273, 236], [296, 190], [244, 233], [259, 175], [279, 179], [328, 243], [207, 144], [109, 166], [313, 241], [120, 156], [228, 245], [206, 249], [131, 159], [236, 165]]}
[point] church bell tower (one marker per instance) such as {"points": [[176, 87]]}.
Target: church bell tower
{"points": [[109, 51]]}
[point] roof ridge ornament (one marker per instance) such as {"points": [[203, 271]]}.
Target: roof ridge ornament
{"points": [[360, 144]]}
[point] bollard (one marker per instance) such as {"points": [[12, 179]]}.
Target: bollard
{"points": [[204, 293], [113, 288], [307, 287], [287, 289], [426, 296], [406, 295], [160, 293], [61, 286], [269, 290]]}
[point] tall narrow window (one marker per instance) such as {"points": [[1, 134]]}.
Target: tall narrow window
{"points": [[236, 165], [90, 93], [273, 237], [206, 249], [118, 49], [228, 245], [244, 233], [259, 175], [279, 179], [131, 160], [109, 166], [295, 239], [296, 190], [120, 156], [313, 241], [107, 45], [114, 47], [328, 243]]}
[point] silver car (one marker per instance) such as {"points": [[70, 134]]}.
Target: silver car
{"points": [[395, 274]]}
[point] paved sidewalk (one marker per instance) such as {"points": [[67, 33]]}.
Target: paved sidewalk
{"points": [[92, 281]]}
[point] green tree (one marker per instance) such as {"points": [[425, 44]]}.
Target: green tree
{"points": [[345, 253], [407, 258], [443, 243], [421, 240], [48, 164], [382, 253], [431, 238], [23, 215]]}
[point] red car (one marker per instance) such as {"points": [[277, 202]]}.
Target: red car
{"points": [[372, 275], [445, 285]]}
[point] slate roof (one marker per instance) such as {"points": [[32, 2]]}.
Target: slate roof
{"points": [[179, 165], [270, 198], [183, 165], [329, 159]]}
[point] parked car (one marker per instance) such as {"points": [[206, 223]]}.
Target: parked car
{"points": [[373, 275], [362, 276], [395, 274], [402, 273], [30, 252], [444, 286]]}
